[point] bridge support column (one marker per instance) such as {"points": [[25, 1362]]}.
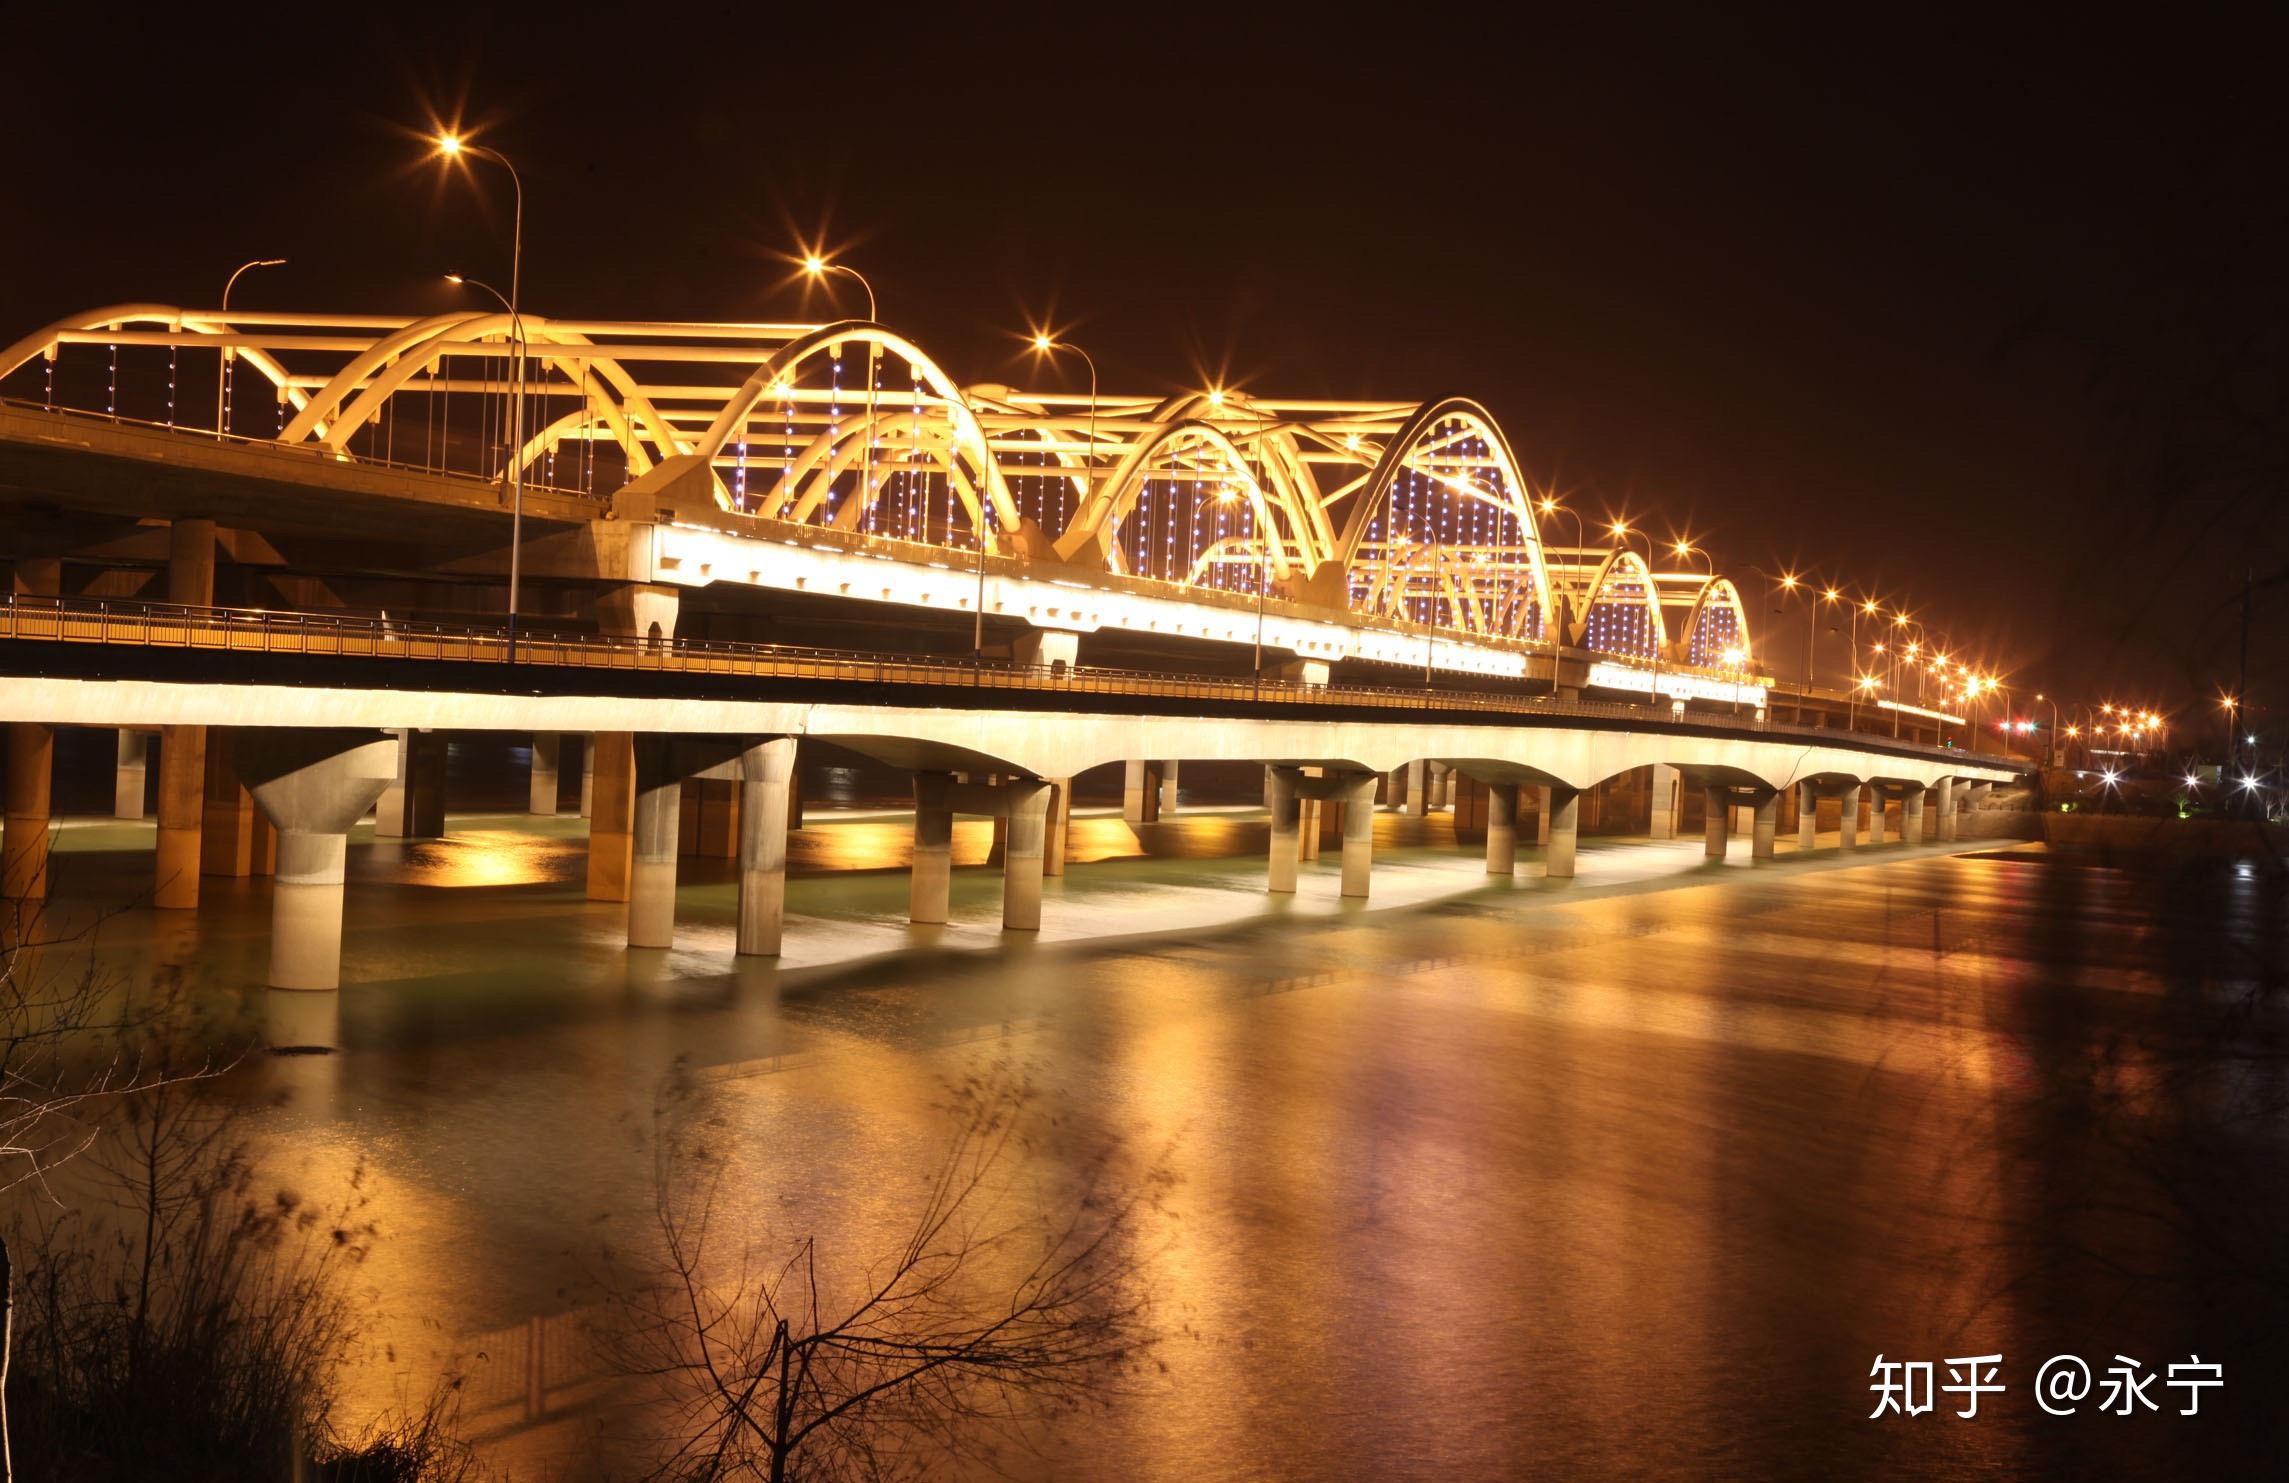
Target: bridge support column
{"points": [[1059, 827], [765, 768], [183, 749], [31, 765], [182, 816], [1285, 820], [1140, 792], [643, 610], [1168, 787], [1308, 805], [547, 752], [1716, 811], [587, 775], [1807, 818], [1848, 818], [312, 786], [1766, 825], [24, 845], [612, 820], [1542, 817], [129, 773], [1879, 811], [1947, 809], [1563, 812], [1047, 648], [1358, 806], [1911, 816], [413, 806], [930, 892], [1021, 860], [652, 859], [1501, 828], [1418, 788], [1668, 800], [235, 838]]}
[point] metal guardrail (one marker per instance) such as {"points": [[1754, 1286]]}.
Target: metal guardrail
{"points": [[378, 636]]}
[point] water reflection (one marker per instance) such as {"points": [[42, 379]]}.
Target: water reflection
{"points": [[1608, 1181]]}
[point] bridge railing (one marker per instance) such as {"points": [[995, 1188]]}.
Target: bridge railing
{"points": [[308, 452], [381, 636]]}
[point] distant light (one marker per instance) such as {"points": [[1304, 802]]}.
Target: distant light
{"points": [[814, 265], [455, 278], [449, 145], [1215, 397], [2192, 781], [1788, 580], [1044, 343]]}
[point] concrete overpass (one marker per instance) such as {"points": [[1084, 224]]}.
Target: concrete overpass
{"points": [[324, 710]]}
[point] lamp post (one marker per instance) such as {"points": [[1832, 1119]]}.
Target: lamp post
{"points": [[1044, 344], [818, 267], [222, 377], [2050, 738], [453, 146]]}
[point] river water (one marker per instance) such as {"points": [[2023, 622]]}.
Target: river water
{"points": [[1630, 1178]]}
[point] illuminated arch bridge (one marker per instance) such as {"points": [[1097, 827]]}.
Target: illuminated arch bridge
{"points": [[1400, 511]]}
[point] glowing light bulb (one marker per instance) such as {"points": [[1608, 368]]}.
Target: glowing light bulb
{"points": [[449, 145]]}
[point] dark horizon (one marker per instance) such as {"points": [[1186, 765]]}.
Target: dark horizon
{"points": [[1985, 325]]}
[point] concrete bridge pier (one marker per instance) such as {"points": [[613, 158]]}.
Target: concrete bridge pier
{"points": [[1418, 788], [1047, 648], [1501, 828], [413, 805], [312, 786], [1021, 860], [1911, 816], [182, 816], [1357, 791], [766, 769], [130, 770], [1716, 812], [547, 750], [1946, 801], [1561, 814], [587, 775], [1286, 807], [1879, 814], [930, 890], [1848, 817], [235, 839], [1168, 787], [183, 749], [1807, 818], [1059, 827], [31, 766], [24, 845], [612, 815], [1022, 802], [1141, 792], [1764, 827], [1308, 805], [654, 819], [1668, 802]]}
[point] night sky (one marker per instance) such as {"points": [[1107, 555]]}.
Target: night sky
{"points": [[1984, 321]]}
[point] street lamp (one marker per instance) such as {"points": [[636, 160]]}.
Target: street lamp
{"points": [[2050, 738], [452, 147], [1045, 344], [230, 355], [818, 267]]}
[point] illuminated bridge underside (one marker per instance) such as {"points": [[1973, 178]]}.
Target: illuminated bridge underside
{"points": [[1413, 512]]}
